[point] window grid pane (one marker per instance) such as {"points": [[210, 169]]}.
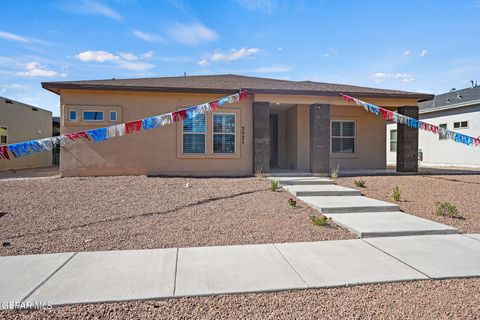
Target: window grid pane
{"points": [[93, 115], [193, 143], [194, 135], [224, 127], [195, 124]]}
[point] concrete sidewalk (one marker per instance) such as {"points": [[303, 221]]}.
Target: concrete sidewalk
{"points": [[92, 277]]}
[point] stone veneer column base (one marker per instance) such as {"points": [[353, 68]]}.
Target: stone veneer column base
{"points": [[320, 138], [407, 142], [261, 137]]}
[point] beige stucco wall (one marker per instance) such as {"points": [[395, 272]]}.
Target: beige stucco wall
{"points": [[370, 139], [24, 123], [152, 152]]}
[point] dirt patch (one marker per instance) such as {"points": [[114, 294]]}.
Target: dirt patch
{"points": [[419, 194], [446, 299], [137, 212]]}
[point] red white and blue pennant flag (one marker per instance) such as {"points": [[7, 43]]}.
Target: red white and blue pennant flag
{"points": [[414, 123], [102, 134]]}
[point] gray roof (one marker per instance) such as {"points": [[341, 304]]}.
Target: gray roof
{"points": [[452, 99], [4, 101], [229, 83]]}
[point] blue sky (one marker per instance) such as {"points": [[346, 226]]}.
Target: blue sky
{"points": [[425, 45]]}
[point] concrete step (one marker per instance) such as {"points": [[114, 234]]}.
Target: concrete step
{"points": [[348, 204], [284, 181], [388, 224], [320, 190], [290, 174]]}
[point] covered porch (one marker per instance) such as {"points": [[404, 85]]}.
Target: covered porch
{"points": [[292, 135]]}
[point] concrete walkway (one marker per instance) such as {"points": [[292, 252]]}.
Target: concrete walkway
{"points": [[364, 217], [92, 277]]}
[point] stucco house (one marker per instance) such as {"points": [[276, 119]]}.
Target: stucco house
{"points": [[21, 122], [283, 125], [457, 110]]}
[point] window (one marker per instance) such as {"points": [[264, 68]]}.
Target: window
{"points": [[92, 115], [442, 136], [194, 135], [113, 116], [72, 115], [343, 136], [3, 135], [460, 125], [393, 140], [223, 133]]}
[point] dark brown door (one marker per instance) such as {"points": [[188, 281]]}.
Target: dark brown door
{"points": [[273, 140]]}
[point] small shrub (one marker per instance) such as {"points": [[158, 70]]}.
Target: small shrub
{"points": [[360, 183], [334, 173], [320, 220], [396, 195], [292, 202], [274, 185], [259, 173], [446, 209]]}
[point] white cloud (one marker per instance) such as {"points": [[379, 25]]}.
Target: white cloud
{"points": [[232, 55], [101, 9], [35, 69], [423, 53], [203, 63], [404, 77], [147, 36], [407, 52], [381, 77], [191, 34], [134, 66], [13, 37], [99, 56], [267, 6], [128, 56], [91, 7], [148, 55], [124, 60]]}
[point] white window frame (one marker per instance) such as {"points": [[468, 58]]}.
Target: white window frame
{"points": [[234, 133], [439, 134], [110, 116], [460, 125], [200, 133], [6, 137], [69, 115], [83, 112], [354, 137], [390, 139]]}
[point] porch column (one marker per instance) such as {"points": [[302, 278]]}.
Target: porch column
{"points": [[320, 138], [261, 136], [407, 142]]}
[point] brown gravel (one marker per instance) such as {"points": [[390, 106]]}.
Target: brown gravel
{"points": [[419, 194], [445, 299], [45, 215]]}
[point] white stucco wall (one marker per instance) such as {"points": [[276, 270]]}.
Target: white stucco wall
{"points": [[446, 152]]}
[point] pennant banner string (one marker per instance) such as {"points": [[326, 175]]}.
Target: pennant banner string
{"points": [[414, 123], [102, 134]]}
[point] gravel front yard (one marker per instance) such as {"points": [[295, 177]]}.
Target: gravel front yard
{"points": [[419, 194], [446, 299], [45, 215]]}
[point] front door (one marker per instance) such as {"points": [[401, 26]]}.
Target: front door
{"points": [[273, 140]]}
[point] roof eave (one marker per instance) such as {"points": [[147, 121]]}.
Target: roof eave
{"points": [[55, 88]]}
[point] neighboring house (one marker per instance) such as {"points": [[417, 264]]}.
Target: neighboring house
{"points": [[284, 125], [457, 110], [21, 122]]}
